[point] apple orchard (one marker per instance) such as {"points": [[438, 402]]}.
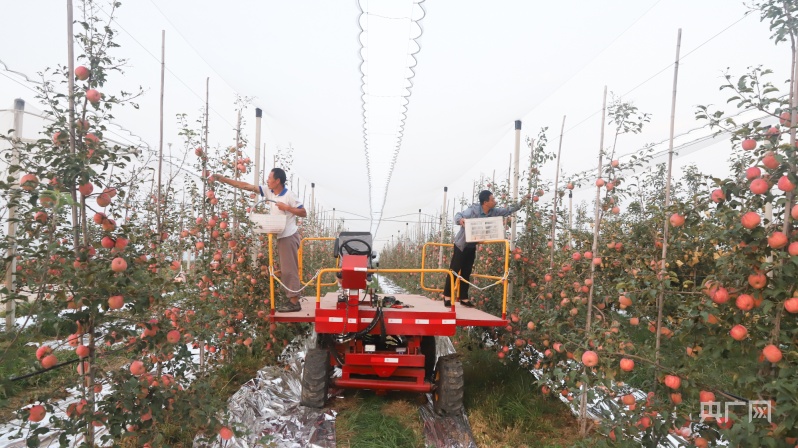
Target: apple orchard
{"points": [[682, 288]]}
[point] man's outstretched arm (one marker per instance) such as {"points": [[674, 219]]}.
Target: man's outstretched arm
{"points": [[235, 183]]}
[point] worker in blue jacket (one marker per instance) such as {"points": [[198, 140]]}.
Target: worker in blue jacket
{"points": [[465, 253]]}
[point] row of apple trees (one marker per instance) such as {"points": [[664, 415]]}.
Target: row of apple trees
{"points": [[164, 276]]}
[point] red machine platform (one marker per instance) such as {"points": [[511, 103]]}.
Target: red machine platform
{"points": [[424, 316]]}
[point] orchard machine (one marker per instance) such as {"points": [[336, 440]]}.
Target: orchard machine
{"points": [[382, 342]]}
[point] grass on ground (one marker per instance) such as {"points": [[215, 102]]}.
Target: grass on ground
{"points": [[505, 408]]}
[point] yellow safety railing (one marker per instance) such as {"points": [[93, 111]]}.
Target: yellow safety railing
{"points": [[383, 271], [424, 257], [456, 287], [301, 252], [271, 275]]}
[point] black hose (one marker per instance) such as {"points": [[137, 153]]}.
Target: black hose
{"points": [[378, 317]]}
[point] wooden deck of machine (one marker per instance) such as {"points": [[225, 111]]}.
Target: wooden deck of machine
{"points": [[423, 316]]}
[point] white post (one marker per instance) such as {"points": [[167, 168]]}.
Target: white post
{"points": [[71, 87], [516, 159], [19, 109], [419, 226], [570, 215], [256, 177], [160, 138], [596, 228], [443, 226], [556, 194], [312, 197], [666, 226], [515, 197]]}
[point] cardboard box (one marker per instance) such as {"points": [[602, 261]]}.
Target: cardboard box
{"points": [[484, 229]]}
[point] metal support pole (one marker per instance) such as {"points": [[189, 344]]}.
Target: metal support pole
{"points": [[19, 111]]}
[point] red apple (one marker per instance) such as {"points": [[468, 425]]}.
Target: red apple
{"points": [[615, 163], [121, 243], [777, 240], [769, 160], [37, 413], [137, 368], [590, 358], [103, 200], [721, 296], [738, 332], [772, 353], [725, 423], [82, 73], [757, 280], [116, 302], [627, 365], [751, 220], [93, 96], [109, 225], [28, 182], [60, 138], [91, 141], [677, 220], [673, 381], [600, 182], [173, 337], [86, 189], [793, 248], [749, 144], [43, 351], [706, 396], [785, 184], [745, 302], [107, 242], [49, 361], [118, 264], [753, 172], [791, 305], [759, 186], [82, 351], [82, 125], [225, 433], [718, 196]]}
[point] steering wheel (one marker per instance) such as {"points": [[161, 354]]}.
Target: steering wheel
{"points": [[350, 249]]}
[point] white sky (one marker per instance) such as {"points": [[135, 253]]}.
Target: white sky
{"points": [[481, 65]]}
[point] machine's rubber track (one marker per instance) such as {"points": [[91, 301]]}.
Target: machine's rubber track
{"points": [[315, 378], [447, 399]]}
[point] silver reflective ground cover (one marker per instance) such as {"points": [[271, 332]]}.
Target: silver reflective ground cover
{"points": [[267, 407]]}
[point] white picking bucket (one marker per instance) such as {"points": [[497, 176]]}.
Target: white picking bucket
{"points": [[265, 223]]}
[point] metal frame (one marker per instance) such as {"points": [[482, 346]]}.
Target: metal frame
{"points": [[456, 288]]}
